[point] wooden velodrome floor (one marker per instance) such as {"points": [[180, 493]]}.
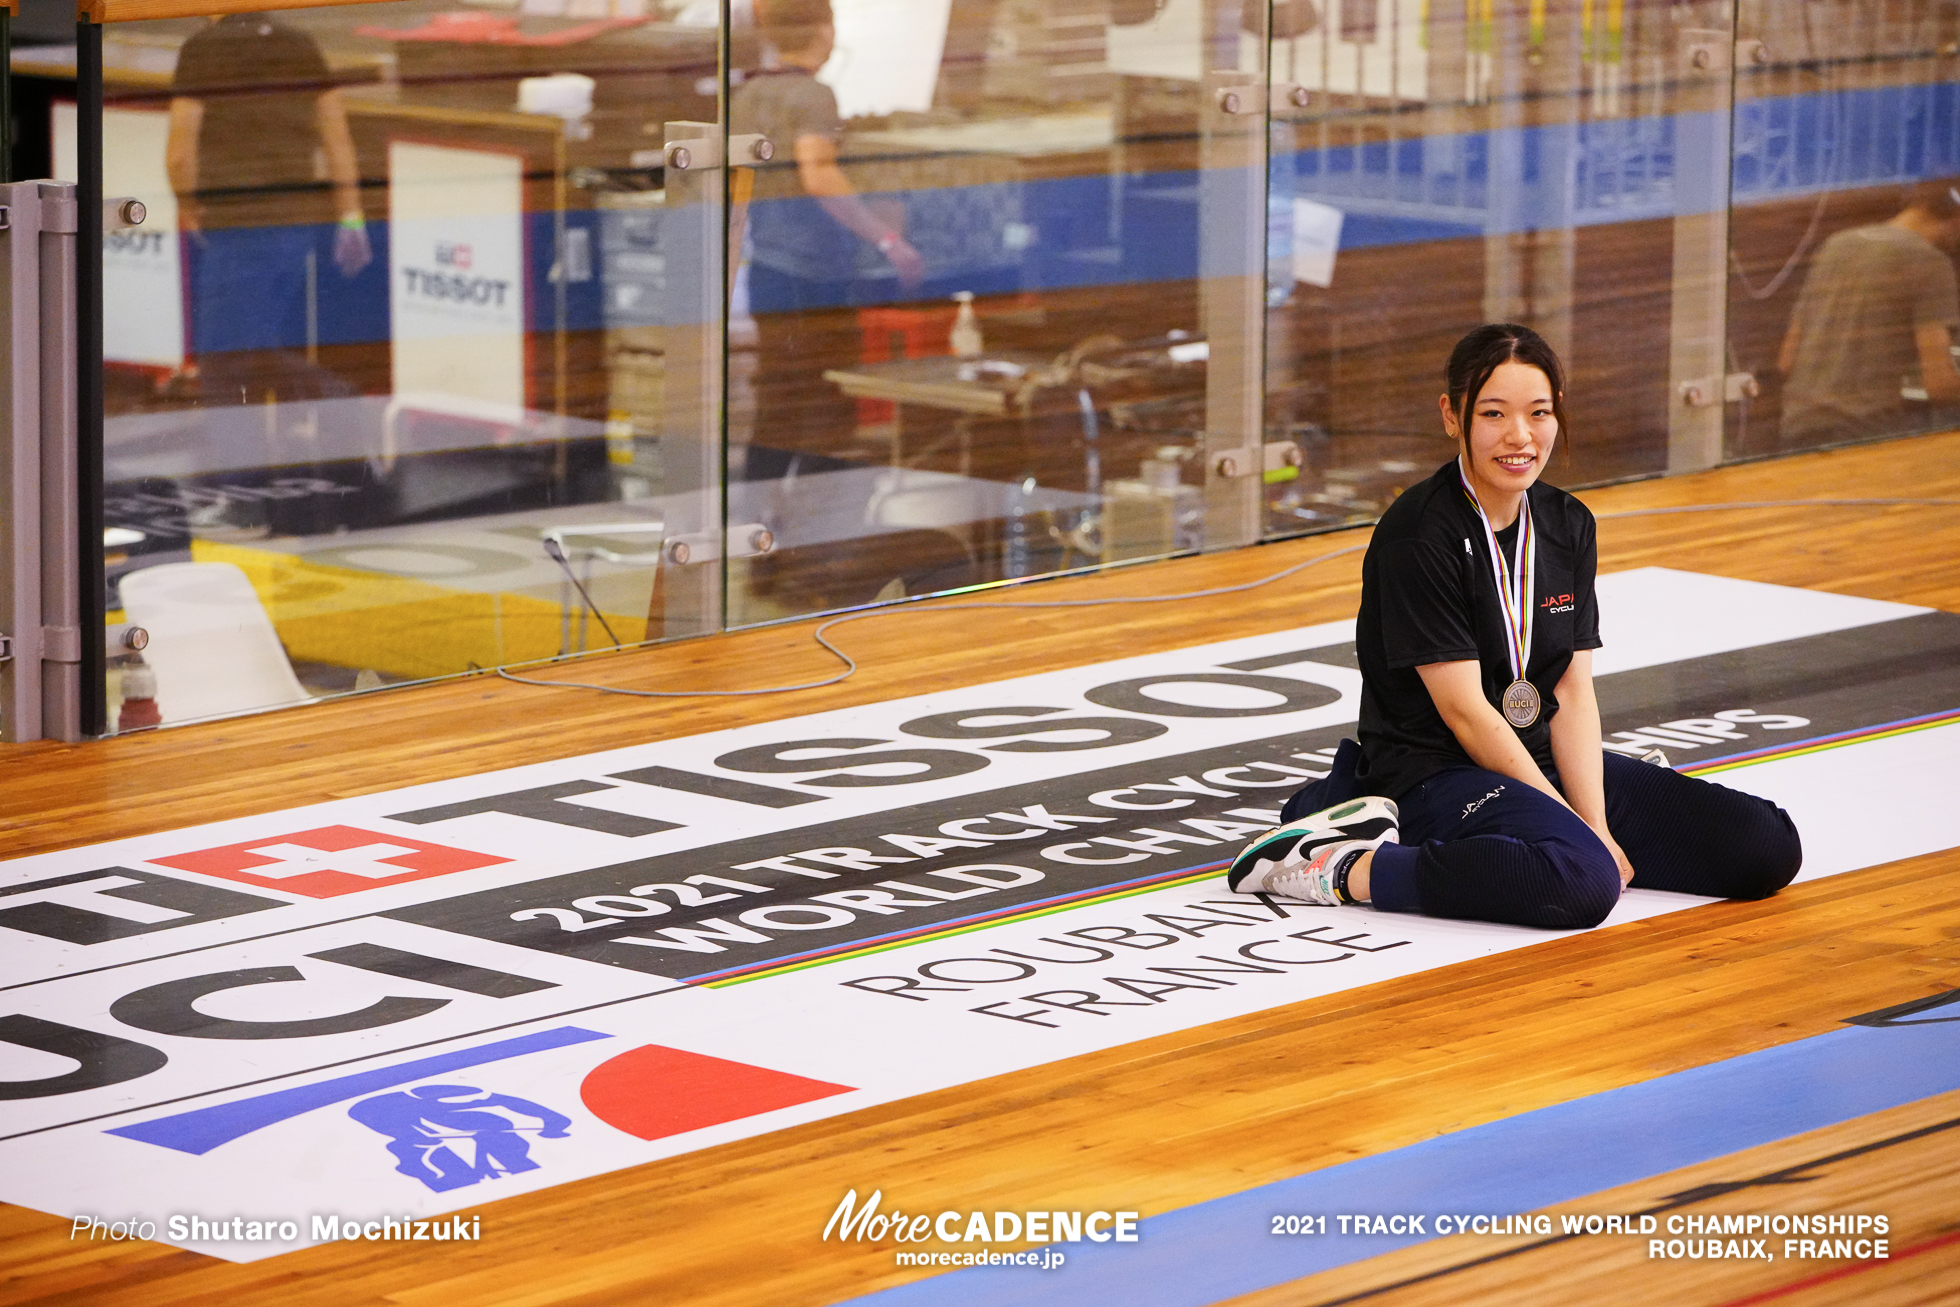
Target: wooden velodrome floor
{"points": [[1170, 1121]]}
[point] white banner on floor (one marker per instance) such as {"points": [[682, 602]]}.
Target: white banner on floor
{"points": [[396, 1006]]}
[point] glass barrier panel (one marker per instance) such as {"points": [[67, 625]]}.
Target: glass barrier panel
{"points": [[1560, 164], [973, 329], [412, 368], [429, 356], [1845, 222]]}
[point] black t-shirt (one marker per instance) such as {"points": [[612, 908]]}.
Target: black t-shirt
{"points": [[1428, 595], [260, 83]]}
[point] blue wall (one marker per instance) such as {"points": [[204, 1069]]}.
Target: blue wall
{"points": [[1142, 228]]}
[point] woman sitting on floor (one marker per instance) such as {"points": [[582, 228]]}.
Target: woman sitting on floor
{"points": [[1479, 788]]}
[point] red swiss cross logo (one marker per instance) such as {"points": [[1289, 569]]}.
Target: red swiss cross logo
{"points": [[329, 861]]}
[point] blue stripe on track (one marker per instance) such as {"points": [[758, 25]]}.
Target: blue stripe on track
{"points": [[1211, 1251]]}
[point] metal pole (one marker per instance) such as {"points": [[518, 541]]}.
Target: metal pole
{"points": [[1697, 330], [52, 652], [64, 578], [690, 447], [20, 465], [1232, 283]]}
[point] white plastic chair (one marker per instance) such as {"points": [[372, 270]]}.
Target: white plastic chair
{"points": [[211, 644]]}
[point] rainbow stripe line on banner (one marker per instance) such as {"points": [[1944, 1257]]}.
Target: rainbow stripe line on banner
{"points": [[946, 930], [1818, 744]]}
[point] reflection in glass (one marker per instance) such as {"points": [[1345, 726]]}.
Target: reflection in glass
{"points": [[1438, 167], [980, 348], [1870, 346], [1847, 140], [468, 333], [396, 356]]}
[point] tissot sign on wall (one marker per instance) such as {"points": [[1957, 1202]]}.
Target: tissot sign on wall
{"points": [[142, 268], [456, 290], [407, 1003]]}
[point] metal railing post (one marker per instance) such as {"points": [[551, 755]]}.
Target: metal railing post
{"points": [[1232, 301], [1698, 314], [20, 463], [690, 577], [63, 490], [50, 499]]}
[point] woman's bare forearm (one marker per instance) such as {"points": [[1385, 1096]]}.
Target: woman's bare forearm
{"points": [[1575, 742], [1457, 691]]}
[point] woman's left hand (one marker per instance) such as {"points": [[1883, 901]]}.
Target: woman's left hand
{"points": [[1619, 856]]}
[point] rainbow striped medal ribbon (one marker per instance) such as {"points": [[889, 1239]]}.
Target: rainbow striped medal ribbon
{"points": [[1521, 703]]}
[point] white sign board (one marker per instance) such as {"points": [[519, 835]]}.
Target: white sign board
{"points": [[887, 55], [142, 273], [1316, 240], [456, 268], [1170, 44]]}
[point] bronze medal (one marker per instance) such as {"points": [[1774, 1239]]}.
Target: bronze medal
{"points": [[1521, 703]]}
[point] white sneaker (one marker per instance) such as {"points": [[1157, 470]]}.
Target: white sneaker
{"points": [[1322, 880], [1295, 850]]}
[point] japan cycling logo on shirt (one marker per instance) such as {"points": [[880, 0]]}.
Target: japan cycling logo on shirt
{"points": [[329, 861]]}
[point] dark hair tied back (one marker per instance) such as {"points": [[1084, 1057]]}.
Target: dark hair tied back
{"points": [[1487, 349]]}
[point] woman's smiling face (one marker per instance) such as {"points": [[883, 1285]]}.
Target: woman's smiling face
{"points": [[1512, 430]]}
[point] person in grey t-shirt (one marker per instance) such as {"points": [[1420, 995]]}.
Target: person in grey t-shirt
{"points": [[816, 239], [1876, 314], [806, 226]]}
